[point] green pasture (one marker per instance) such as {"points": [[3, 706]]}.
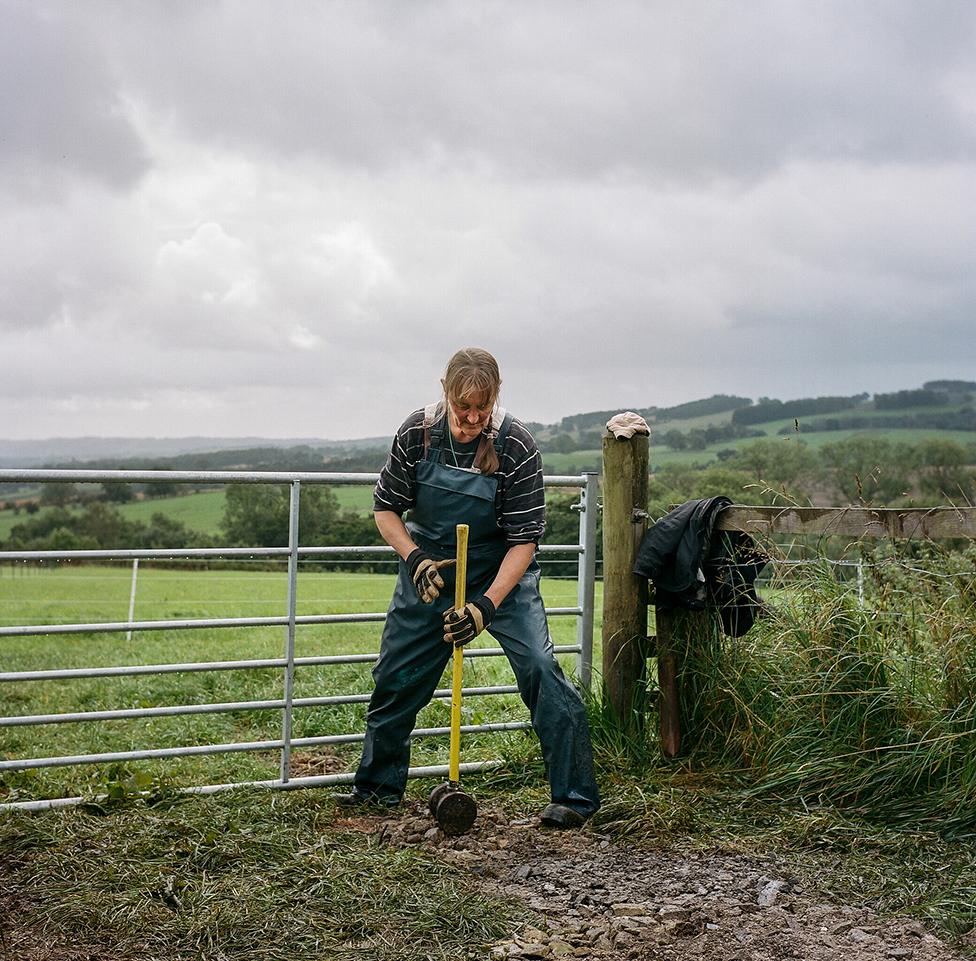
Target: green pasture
{"points": [[693, 423], [200, 511], [66, 593], [817, 439], [837, 738], [661, 456]]}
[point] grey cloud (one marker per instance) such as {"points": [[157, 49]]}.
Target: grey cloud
{"points": [[546, 90], [636, 204], [60, 112]]}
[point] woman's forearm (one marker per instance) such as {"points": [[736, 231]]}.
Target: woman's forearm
{"points": [[394, 532], [514, 565]]}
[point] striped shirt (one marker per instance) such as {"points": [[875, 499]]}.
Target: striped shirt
{"points": [[520, 501]]}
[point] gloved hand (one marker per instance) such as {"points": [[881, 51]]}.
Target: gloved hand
{"points": [[423, 570], [465, 624]]}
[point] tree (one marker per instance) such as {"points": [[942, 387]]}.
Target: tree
{"points": [[942, 469], [561, 444], [59, 493], [675, 439], [257, 515], [869, 469], [117, 492], [166, 488], [775, 462]]}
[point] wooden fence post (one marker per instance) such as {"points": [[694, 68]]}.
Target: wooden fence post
{"points": [[668, 668], [678, 633], [624, 593]]}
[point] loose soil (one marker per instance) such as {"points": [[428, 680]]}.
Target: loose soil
{"points": [[595, 899], [588, 897]]}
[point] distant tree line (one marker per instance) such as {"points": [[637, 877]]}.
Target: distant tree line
{"points": [[701, 437], [963, 419], [951, 386], [911, 398], [255, 515], [858, 470], [716, 404], [99, 527], [767, 409]]}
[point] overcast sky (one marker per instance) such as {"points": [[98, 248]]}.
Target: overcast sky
{"points": [[281, 219]]}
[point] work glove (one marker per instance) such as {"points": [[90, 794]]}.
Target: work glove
{"points": [[466, 623], [424, 572]]}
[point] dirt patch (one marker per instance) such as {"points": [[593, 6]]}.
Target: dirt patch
{"points": [[595, 899], [313, 763], [19, 941]]}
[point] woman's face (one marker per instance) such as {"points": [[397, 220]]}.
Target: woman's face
{"points": [[469, 415]]}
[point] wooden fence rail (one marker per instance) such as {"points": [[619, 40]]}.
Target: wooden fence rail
{"points": [[626, 646]]}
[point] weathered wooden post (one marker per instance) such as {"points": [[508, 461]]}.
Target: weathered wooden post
{"points": [[624, 593], [668, 667]]}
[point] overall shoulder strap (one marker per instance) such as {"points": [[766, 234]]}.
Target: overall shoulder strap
{"points": [[434, 425], [504, 420]]}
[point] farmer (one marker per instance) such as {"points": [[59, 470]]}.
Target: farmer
{"points": [[464, 460]]}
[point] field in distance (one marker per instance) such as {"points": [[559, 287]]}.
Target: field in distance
{"points": [[197, 511]]}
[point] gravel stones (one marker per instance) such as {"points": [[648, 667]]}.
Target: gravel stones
{"points": [[594, 899]]}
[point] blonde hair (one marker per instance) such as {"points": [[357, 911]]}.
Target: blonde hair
{"points": [[471, 371]]}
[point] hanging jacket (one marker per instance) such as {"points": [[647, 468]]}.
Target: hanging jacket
{"points": [[694, 566]]}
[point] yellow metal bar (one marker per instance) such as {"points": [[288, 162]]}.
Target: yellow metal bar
{"points": [[461, 576]]}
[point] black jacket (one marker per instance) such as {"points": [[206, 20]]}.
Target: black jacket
{"points": [[694, 566]]}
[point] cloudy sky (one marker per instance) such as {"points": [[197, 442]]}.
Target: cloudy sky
{"points": [[280, 219]]}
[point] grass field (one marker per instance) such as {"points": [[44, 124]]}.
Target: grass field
{"points": [[75, 594], [661, 456], [199, 511], [836, 741]]}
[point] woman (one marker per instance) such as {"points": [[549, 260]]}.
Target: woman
{"points": [[465, 460]]}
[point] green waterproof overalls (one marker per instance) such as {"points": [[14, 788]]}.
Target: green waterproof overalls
{"points": [[413, 653]]}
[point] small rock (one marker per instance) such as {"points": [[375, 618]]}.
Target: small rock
{"points": [[860, 935], [533, 950], [673, 912], [899, 953], [769, 893], [523, 871], [432, 834], [631, 910], [560, 949]]}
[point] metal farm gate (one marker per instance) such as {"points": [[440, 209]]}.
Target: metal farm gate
{"points": [[288, 663]]}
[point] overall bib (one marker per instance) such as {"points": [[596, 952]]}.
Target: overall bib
{"points": [[413, 653]]}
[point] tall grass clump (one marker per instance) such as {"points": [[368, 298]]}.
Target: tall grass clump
{"points": [[832, 701]]}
